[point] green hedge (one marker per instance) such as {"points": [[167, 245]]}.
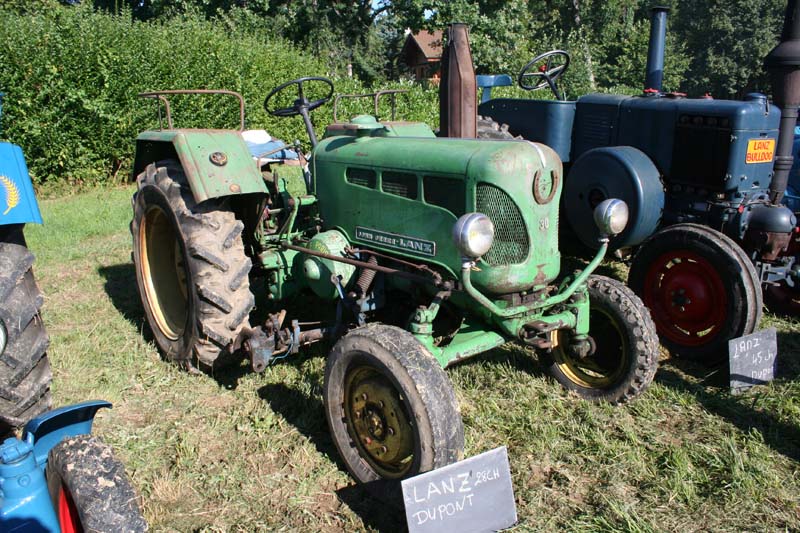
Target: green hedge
{"points": [[71, 76]]}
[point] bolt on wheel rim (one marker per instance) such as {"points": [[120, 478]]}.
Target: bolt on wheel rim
{"points": [[687, 297], [163, 272], [603, 368], [376, 418]]}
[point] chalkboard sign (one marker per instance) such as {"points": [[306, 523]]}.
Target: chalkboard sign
{"points": [[753, 359], [469, 496]]}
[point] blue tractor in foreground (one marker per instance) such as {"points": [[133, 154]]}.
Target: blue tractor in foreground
{"points": [[24, 367], [704, 180], [57, 477]]}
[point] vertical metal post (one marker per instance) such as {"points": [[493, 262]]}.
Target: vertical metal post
{"points": [[783, 64], [458, 109]]}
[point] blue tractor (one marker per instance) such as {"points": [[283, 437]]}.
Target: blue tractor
{"points": [[24, 368], [57, 477], [704, 180]]}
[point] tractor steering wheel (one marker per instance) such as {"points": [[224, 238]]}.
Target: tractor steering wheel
{"points": [[301, 103], [543, 72]]}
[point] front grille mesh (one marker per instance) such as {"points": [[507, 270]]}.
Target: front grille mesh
{"points": [[511, 244]]}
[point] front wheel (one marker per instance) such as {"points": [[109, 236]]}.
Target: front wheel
{"points": [[390, 407], [89, 488], [625, 347], [700, 287]]}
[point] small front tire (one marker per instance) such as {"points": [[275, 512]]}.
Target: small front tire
{"points": [[391, 409], [89, 488], [625, 357]]}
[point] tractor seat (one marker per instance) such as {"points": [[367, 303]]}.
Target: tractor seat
{"points": [[266, 149]]}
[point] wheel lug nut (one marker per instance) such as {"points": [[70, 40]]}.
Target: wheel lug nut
{"points": [[390, 431], [364, 396], [358, 414], [380, 404], [384, 449]]}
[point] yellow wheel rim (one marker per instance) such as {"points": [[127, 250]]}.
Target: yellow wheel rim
{"points": [[606, 365], [163, 271], [377, 422]]}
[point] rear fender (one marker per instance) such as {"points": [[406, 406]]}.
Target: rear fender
{"points": [[217, 163], [50, 428], [17, 199]]}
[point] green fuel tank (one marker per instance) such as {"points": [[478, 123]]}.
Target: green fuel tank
{"points": [[402, 195]]}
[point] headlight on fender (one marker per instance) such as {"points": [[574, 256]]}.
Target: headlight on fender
{"points": [[473, 235]]}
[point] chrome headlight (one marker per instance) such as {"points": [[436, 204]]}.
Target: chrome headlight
{"points": [[473, 235], [3, 337], [611, 216]]}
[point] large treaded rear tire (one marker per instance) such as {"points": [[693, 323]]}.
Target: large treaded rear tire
{"points": [[24, 368], [191, 269], [700, 287], [488, 128], [89, 488]]}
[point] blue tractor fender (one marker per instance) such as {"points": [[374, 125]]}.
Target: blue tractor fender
{"points": [[17, 199], [25, 503]]}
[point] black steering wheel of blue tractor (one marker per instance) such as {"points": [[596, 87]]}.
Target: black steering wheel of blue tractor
{"points": [[543, 71], [301, 105]]}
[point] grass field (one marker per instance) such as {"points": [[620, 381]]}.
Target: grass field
{"points": [[246, 452]]}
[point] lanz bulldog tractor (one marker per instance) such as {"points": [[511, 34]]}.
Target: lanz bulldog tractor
{"points": [[426, 251], [702, 178]]}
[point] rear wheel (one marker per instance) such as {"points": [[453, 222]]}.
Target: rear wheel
{"points": [[191, 269], [625, 347], [488, 128], [24, 368], [90, 489], [390, 407], [700, 287]]}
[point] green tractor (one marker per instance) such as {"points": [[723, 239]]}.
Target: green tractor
{"points": [[417, 251]]}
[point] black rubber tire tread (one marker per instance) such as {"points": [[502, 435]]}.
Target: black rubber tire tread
{"points": [[639, 335], [25, 374], [219, 299], [744, 309], [488, 128], [425, 386], [96, 480]]}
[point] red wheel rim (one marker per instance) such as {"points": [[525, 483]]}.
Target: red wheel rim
{"points": [[68, 517], [686, 297]]}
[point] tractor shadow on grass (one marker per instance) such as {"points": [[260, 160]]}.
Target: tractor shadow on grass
{"points": [[306, 413], [120, 285], [710, 386]]}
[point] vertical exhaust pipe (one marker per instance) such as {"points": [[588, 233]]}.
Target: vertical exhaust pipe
{"points": [[783, 64], [655, 50], [458, 90]]}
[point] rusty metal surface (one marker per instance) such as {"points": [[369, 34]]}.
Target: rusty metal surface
{"points": [[458, 90], [161, 96]]}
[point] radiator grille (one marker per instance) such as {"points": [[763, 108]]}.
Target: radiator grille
{"points": [[511, 244]]}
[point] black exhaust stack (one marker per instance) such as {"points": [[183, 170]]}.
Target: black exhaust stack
{"points": [[783, 64], [655, 50]]}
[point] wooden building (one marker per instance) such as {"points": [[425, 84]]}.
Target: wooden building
{"points": [[422, 54]]}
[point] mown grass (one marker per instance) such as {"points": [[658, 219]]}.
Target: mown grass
{"points": [[246, 452]]}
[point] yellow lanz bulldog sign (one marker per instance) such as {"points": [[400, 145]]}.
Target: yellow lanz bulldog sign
{"points": [[760, 151]]}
